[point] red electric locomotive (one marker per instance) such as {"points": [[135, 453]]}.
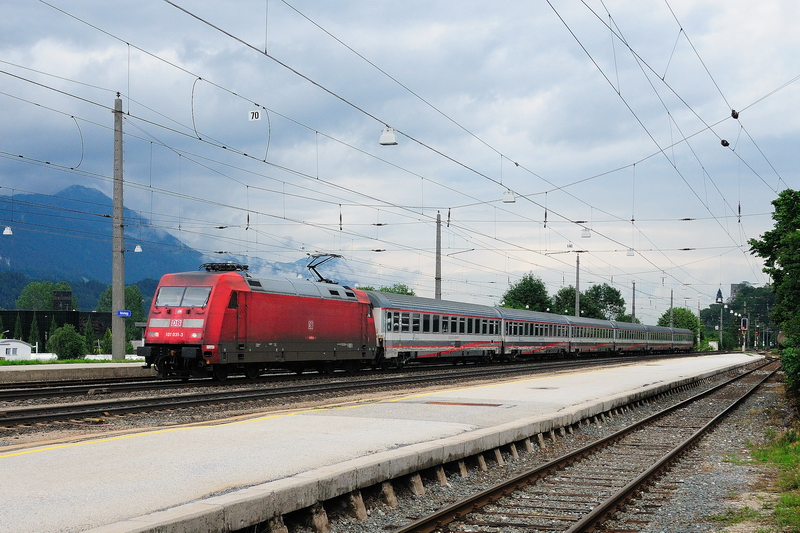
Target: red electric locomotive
{"points": [[220, 321]]}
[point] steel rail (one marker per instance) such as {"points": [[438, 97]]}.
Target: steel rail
{"points": [[600, 513]]}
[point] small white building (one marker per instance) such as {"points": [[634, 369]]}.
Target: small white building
{"points": [[14, 350]]}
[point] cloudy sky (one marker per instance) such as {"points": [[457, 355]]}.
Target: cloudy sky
{"points": [[611, 119]]}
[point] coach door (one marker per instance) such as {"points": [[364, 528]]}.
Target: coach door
{"points": [[243, 299]]}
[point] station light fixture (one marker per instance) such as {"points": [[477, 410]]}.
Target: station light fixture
{"points": [[388, 137]]}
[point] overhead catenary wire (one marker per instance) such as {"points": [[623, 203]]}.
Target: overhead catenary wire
{"points": [[551, 221]]}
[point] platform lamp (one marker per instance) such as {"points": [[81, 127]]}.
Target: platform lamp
{"points": [[388, 137]]}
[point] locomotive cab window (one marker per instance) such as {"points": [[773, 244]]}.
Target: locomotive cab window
{"points": [[183, 296]]}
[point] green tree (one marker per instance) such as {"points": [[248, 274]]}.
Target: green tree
{"points": [[780, 249], [133, 302], [397, 288], [681, 318], [591, 305], [564, 301], [33, 335], [91, 337], [18, 328], [38, 295], [105, 342], [528, 293], [67, 343], [53, 328], [607, 299]]}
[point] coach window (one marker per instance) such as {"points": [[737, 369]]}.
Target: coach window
{"points": [[469, 325], [453, 324], [426, 323], [435, 323], [404, 320], [415, 322], [445, 324]]}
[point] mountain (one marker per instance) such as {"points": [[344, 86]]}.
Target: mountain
{"points": [[68, 236]]}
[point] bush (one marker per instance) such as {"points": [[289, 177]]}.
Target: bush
{"points": [[790, 360], [67, 343]]}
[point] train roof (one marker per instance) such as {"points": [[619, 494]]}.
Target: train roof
{"points": [[429, 305], [293, 287], [302, 287], [510, 313]]}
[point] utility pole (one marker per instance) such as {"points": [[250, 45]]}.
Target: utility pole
{"points": [[438, 289], [577, 284], [671, 322], [117, 257], [633, 304], [721, 307]]}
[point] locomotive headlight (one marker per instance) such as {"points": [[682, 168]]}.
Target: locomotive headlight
{"points": [[196, 335]]}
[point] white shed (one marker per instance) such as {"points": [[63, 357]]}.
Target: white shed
{"points": [[13, 350]]}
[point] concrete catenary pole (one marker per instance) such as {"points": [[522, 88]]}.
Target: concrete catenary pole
{"points": [[118, 242], [671, 321], [577, 284], [438, 284]]}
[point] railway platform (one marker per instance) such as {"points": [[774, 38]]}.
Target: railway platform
{"points": [[229, 475], [76, 371]]}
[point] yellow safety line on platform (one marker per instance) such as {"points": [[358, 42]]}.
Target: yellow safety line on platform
{"points": [[202, 425]]}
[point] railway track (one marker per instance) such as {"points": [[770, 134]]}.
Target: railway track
{"points": [[579, 491], [97, 409], [22, 391]]}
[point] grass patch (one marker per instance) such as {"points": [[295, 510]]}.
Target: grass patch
{"points": [[734, 458], [736, 516], [783, 452]]}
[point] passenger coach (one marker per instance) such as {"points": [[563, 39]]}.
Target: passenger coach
{"points": [[424, 329]]}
